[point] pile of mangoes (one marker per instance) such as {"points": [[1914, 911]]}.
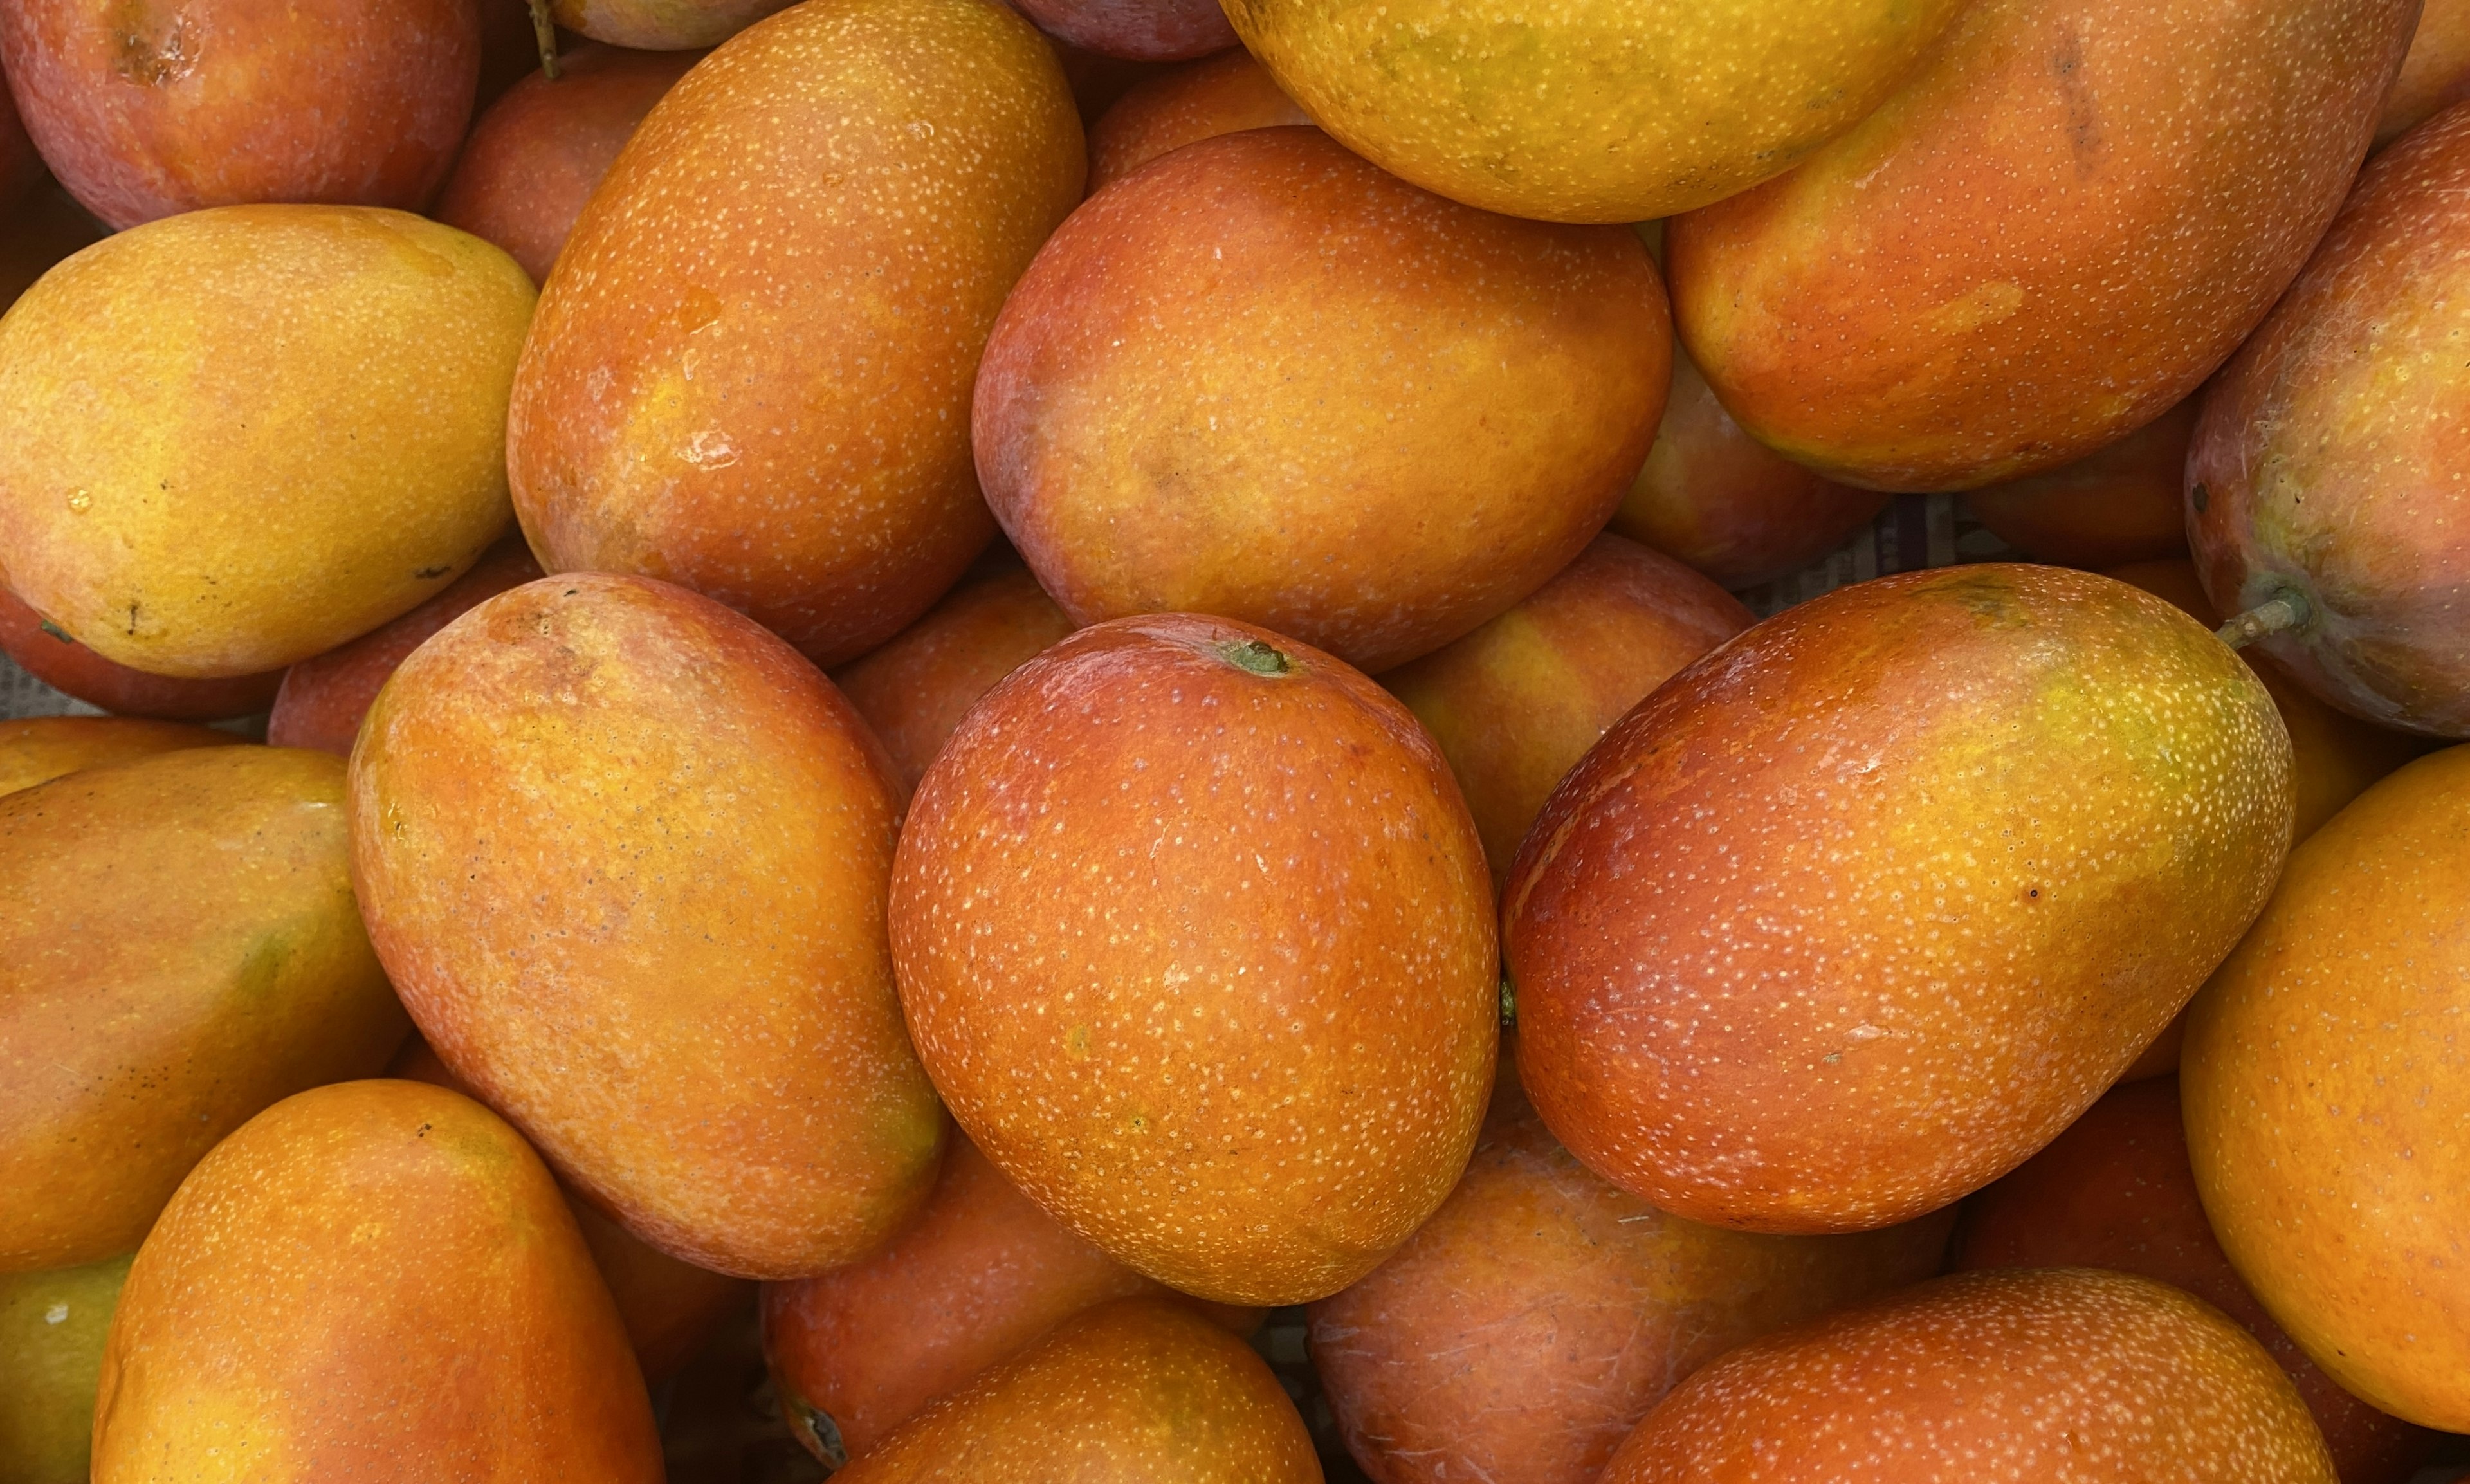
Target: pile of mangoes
{"points": [[1013, 686]]}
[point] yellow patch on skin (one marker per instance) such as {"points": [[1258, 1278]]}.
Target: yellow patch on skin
{"points": [[1988, 305]]}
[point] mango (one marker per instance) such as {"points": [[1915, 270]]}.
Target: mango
{"points": [[1195, 937], [979, 1274], [1217, 95], [1605, 110], [52, 1328], [2435, 76], [534, 158], [2118, 505], [1263, 379], [1135, 30], [181, 949], [1524, 1331], [661, 25], [1852, 917], [38, 748], [45, 651], [322, 699], [751, 374], [624, 854], [146, 111], [2115, 1190], [2324, 1093], [669, 1308], [375, 1281], [172, 394], [2073, 213], [2323, 482], [1517, 702], [1136, 1389], [2059, 1373], [915, 690], [1712, 496]]}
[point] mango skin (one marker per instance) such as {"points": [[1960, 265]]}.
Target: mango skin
{"points": [[1161, 31], [661, 25], [750, 375], [1524, 1331], [175, 392], [38, 748], [2120, 505], [624, 854], [374, 1281], [1200, 99], [52, 1329], [979, 1275], [1991, 826], [2435, 76], [2070, 1375], [1176, 843], [146, 111], [47, 652], [1263, 379], [2115, 1190], [2326, 461], [1136, 1389], [2136, 182], [2324, 1088], [1517, 702], [1609, 110], [181, 949]]}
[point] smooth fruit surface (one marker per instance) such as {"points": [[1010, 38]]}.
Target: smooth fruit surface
{"points": [[2436, 74], [661, 25], [181, 948], [177, 394], [1852, 917], [1195, 935], [46, 652], [38, 748], [2073, 213], [52, 1328], [914, 690], [624, 854], [2326, 1094], [1138, 30], [2123, 504], [1217, 95]]}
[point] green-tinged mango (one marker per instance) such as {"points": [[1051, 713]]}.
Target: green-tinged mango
{"points": [[52, 1326], [180, 949]]}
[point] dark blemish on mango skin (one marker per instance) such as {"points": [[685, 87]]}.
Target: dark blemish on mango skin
{"points": [[425, 573], [150, 61]]}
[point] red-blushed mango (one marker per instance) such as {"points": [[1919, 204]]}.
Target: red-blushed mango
{"points": [[2115, 1190], [914, 690], [751, 374], [47, 652], [149, 110], [1195, 937], [969, 1283], [52, 1329], [2325, 1095], [1522, 1330], [38, 748], [1263, 379], [669, 1308], [661, 25], [323, 698], [1991, 826], [1712, 496], [2435, 76], [2121, 504], [624, 854], [1517, 702], [2073, 213], [239, 437], [1136, 1389], [21, 169], [2325, 477], [1135, 30], [1202, 100], [180, 950], [535, 157], [2072, 1376], [375, 1281], [1599, 110]]}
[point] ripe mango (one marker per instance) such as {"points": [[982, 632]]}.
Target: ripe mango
{"points": [[374, 1281], [2122, 504], [52, 1329], [1217, 95], [173, 396], [181, 948], [1853, 916], [38, 748], [661, 25], [45, 651]]}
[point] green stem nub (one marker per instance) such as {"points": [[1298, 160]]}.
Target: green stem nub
{"points": [[1258, 658], [2279, 613], [545, 34], [1508, 1001]]}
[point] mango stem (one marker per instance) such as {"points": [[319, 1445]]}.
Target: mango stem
{"points": [[545, 34], [2276, 614]]}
